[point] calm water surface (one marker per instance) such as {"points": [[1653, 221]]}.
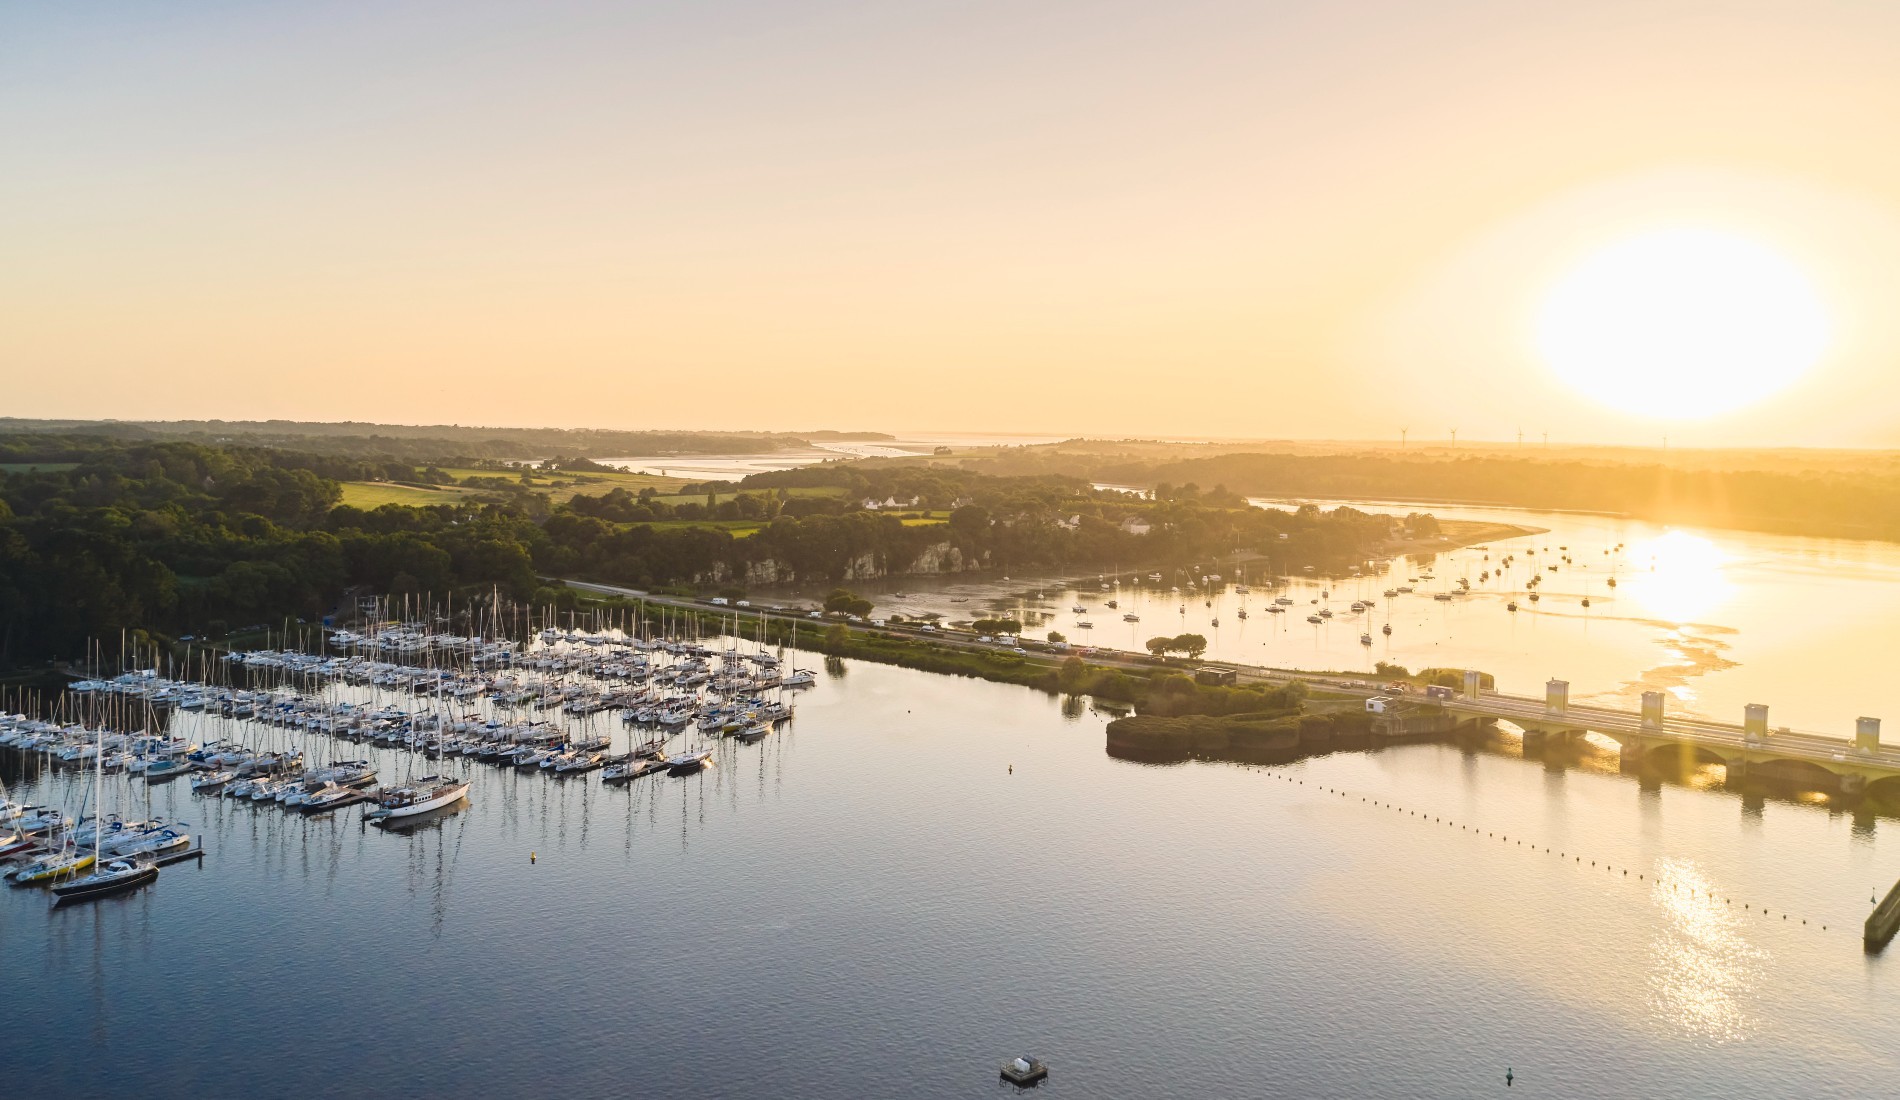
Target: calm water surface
{"points": [[1716, 619], [872, 903]]}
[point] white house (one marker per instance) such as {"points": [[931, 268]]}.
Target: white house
{"points": [[1136, 526]]}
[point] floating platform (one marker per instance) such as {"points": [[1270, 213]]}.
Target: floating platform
{"points": [[1024, 1072], [195, 852]]}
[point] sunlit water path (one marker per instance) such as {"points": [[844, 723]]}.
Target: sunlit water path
{"points": [[1716, 619]]}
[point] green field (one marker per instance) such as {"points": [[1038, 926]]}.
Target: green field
{"points": [[739, 528], [590, 483], [700, 498], [375, 494]]}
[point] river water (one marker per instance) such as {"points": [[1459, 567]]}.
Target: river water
{"points": [[923, 875], [1715, 619]]}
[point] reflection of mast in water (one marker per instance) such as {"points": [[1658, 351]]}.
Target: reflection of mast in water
{"points": [[436, 873]]}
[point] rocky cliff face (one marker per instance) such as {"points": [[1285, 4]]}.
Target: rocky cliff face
{"points": [[937, 558]]}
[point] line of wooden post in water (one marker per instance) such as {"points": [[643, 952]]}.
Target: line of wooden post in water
{"points": [[1884, 921]]}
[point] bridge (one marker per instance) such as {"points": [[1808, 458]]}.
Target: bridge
{"points": [[1850, 766], [1751, 745]]}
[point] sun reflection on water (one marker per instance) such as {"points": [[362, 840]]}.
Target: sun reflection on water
{"points": [[1703, 972], [1679, 576]]}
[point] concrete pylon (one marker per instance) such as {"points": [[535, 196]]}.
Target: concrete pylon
{"points": [[1755, 721], [1867, 734], [1652, 710], [1556, 696], [1473, 683]]}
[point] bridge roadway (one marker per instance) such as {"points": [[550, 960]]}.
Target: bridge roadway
{"points": [[1854, 763]]}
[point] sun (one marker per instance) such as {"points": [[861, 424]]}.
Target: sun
{"points": [[1682, 324]]}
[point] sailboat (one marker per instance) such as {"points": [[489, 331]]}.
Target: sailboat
{"points": [[431, 792], [115, 877]]}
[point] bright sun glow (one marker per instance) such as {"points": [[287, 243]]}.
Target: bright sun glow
{"points": [[1682, 324], [1678, 576]]}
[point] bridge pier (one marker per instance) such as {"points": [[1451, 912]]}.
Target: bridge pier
{"points": [[1737, 771], [1853, 784]]}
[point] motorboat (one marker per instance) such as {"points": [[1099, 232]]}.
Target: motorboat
{"points": [[160, 770], [630, 767]]}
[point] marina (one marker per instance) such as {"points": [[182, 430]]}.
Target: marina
{"points": [[281, 742]]}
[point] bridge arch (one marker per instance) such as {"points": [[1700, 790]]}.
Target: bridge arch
{"points": [[1806, 773], [1682, 760]]}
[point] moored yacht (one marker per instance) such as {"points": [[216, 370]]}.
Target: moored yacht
{"points": [[431, 792], [115, 877], [686, 763]]}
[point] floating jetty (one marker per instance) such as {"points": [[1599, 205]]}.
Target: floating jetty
{"points": [[197, 851], [1884, 921]]}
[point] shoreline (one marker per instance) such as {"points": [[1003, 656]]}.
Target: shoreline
{"points": [[1460, 533]]}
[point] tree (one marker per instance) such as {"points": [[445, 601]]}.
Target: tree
{"points": [[970, 520], [1056, 637], [1159, 646], [1191, 644], [996, 626], [843, 601], [1072, 675]]}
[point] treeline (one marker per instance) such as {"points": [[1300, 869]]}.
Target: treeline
{"points": [[1830, 502], [179, 537], [439, 444]]}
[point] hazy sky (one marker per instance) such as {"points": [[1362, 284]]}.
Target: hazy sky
{"points": [[1314, 220]]}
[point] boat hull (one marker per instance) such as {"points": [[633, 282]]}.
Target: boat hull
{"points": [[442, 798], [83, 891]]}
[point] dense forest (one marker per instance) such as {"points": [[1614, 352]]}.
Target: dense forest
{"points": [[101, 535], [1827, 500]]}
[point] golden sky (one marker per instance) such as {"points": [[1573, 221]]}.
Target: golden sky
{"points": [[1289, 220]]}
